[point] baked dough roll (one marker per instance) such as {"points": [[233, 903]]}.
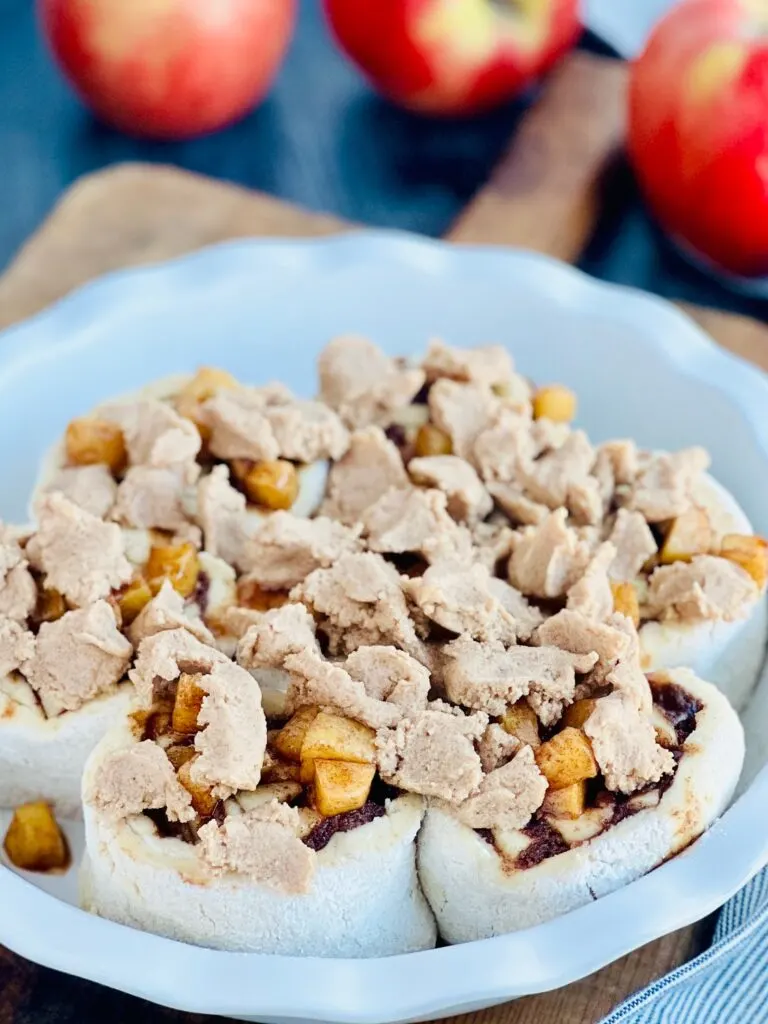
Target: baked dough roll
{"points": [[485, 884], [728, 651], [212, 854], [43, 758]]}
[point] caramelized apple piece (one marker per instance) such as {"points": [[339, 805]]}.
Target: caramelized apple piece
{"points": [[90, 441], [431, 440], [177, 563], [578, 712], [132, 599], [189, 699], [751, 553], [341, 785], [625, 601], [273, 485], [34, 841], [251, 595], [290, 739], [520, 720], [203, 800], [50, 606], [178, 755], [566, 758], [568, 802], [554, 402], [689, 535], [338, 738]]}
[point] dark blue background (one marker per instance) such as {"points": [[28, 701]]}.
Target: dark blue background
{"points": [[321, 139]]}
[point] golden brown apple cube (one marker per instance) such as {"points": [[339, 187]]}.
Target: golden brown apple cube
{"points": [[177, 563], [290, 739], [178, 755], [689, 535], [341, 785], [566, 803], [566, 758], [272, 485], [338, 738], [90, 441], [204, 385], [578, 712], [625, 601], [50, 606], [34, 841], [520, 720], [132, 599], [189, 700], [555, 402], [307, 771], [251, 595], [751, 553], [158, 723], [203, 800], [431, 440]]}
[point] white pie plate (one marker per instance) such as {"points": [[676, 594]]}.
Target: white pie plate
{"points": [[263, 309]]}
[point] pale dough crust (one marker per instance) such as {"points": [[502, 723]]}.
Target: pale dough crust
{"points": [[475, 894], [365, 899]]}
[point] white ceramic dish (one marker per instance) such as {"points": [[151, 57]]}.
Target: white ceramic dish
{"points": [[262, 310]]}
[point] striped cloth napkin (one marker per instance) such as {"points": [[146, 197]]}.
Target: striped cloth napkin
{"points": [[728, 984]]}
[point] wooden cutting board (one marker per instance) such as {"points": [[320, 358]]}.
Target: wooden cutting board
{"points": [[545, 195]]}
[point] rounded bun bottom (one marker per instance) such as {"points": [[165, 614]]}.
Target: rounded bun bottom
{"points": [[475, 893], [44, 758], [365, 899]]}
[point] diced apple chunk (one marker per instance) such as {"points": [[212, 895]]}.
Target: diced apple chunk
{"points": [[34, 841], [625, 601], [690, 534], [554, 402], [178, 755], [751, 553], [339, 739], [307, 771], [566, 803], [203, 800], [341, 785], [566, 758], [290, 739], [189, 700], [520, 720], [578, 712]]}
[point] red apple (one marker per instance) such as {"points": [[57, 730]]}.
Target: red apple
{"points": [[698, 132], [169, 69], [453, 56]]}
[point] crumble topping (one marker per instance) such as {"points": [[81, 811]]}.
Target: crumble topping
{"points": [[415, 521], [163, 657], [136, 779], [625, 745], [92, 488], [76, 658], [361, 383], [549, 558], [507, 797], [307, 431], [81, 555], [239, 426], [167, 610], [263, 846], [17, 645], [371, 466], [390, 675], [18, 591], [287, 548], [634, 543], [591, 596], [705, 588], [489, 365], [468, 500], [222, 515], [463, 412], [460, 599], [155, 434], [663, 487], [151, 496], [315, 681], [277, 634], [496, 746]]}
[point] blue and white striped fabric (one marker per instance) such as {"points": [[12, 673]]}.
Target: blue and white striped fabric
{"points": [[728, 984]]}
